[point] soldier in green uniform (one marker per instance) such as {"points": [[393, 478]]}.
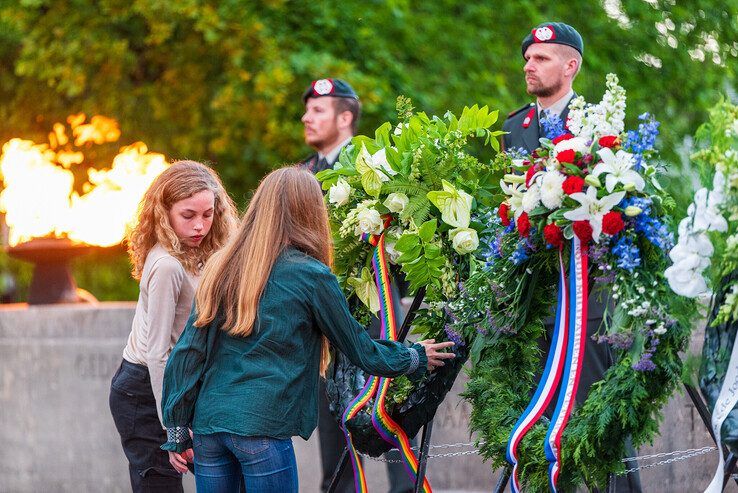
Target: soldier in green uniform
{"points": [[332, 111], [553, 56]]}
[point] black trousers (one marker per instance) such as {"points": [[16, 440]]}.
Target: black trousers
{"points": [[133, 407]]}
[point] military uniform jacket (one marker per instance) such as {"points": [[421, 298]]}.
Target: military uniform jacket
{"points": [[315, 164], [525, 129]]}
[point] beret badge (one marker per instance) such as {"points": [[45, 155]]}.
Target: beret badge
{"points": [[323, 87], [543, 34]]}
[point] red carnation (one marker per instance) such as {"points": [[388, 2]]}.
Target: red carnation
{"points": [[523, 225], [612, 223], [573, 184], [566, 156], [553, 235], [529, 174], [562, 138], [609, 141], [583, 230], [504, 212]]}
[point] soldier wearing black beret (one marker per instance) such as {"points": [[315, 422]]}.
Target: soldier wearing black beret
{"points": [[332, 111], [553, 56]]}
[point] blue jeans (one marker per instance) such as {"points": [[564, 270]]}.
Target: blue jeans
{"points": [[226, 463]]}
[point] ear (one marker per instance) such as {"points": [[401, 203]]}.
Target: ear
{"points": [[570, 68], [344, 120]]}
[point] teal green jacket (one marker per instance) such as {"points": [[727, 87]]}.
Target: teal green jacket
{"points": [[266, 384]]}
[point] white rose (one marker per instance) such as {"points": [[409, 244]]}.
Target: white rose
{"points": [[370, 222], [464, 240], [339, 193], [552, 193], [396, 202]]}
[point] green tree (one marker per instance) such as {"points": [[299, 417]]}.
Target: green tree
{"points": [[221, 80]]}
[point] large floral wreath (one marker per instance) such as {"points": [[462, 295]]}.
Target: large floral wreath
{"points": [[591, 191], [489, 260], [418, 186]]}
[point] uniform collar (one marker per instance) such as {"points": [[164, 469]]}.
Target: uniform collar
{"points": [[332, 155], [558, 107]]}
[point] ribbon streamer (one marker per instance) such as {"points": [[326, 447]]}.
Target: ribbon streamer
{"points": [[726, 401], [563, 366], [387, 428], [548, 382], [578, 274]]}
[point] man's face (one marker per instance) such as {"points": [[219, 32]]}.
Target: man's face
{"points": [[544, 70], [321, 124]]}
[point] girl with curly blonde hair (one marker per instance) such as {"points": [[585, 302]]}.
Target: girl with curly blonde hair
{"points": [[185, 216]]}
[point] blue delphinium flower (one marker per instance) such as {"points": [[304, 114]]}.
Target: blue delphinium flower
{"points": [[628, 255], [517, 152], [553, 126], [643, 204], [643, 140], [652, 228], [656, 232], [520, 254]]}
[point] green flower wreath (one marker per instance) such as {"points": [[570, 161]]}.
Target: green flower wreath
{"points": [[418, 183]]}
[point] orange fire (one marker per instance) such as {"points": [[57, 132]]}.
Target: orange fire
{"points": [[38, 196]]}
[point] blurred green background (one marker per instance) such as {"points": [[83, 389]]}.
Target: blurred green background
{"points": [[221, 81]]}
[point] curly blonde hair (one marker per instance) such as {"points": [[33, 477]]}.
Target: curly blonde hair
{"points": [[181, 180]]}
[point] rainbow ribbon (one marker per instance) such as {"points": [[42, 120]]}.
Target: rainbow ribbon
{"points": [[387, 428], [563, 365]]}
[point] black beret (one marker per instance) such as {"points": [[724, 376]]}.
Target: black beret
{"points": [[554, 32], [329, 87]]}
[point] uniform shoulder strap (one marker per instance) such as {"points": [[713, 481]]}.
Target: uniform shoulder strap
{"points": [[520, 110]]}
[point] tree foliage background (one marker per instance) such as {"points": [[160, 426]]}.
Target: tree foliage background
{"points": [[221, 81]]}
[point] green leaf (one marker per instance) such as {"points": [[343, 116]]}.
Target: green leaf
{"points": [[407, 241], [427, 230]]}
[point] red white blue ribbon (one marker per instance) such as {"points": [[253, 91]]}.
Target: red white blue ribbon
{"points": [[549, 380], [578, 289], [563, 365]]}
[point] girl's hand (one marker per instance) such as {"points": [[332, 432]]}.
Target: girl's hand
{"points": [[432, 351], [179, 461]]}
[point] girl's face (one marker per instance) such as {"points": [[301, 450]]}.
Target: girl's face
{"points": [[192, 217]]}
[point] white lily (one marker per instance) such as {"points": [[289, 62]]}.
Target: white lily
{"points": [[593, 209], [454, 204], [374, 169], [379, 159], [619, 169], [514, 192]]}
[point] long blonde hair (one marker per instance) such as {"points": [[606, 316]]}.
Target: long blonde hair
{"points": [[286, 210], [181, 180]]}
